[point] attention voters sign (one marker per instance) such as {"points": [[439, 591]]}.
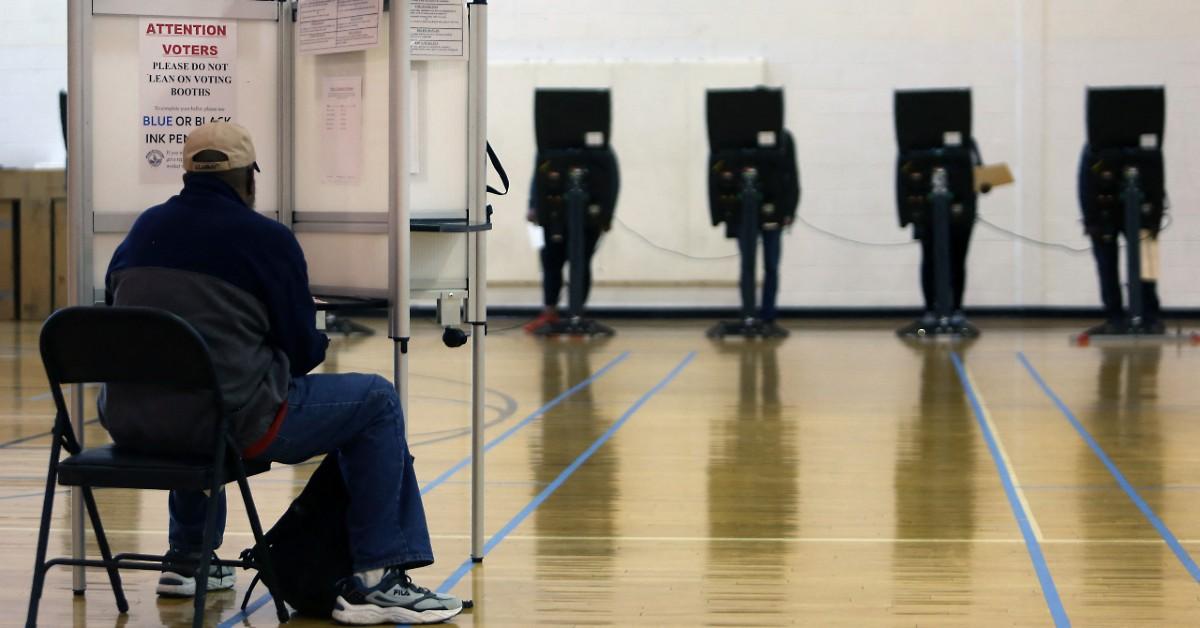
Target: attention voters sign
{"points": [[188, 78]]}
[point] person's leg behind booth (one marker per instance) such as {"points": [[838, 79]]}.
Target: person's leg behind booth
{"points": [[1153, 309], [1106, 251], [960, 242], [747, 256], [772, 250], [553, 256], [928, 275], [591, 241]]}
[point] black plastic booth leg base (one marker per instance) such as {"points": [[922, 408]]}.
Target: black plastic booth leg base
{"points": [[747, 328], [949, 327], [575, 326]]}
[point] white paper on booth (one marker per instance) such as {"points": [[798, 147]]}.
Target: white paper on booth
{"points": [[188, 78], [438, 29], [341, 129], [328, 26]]}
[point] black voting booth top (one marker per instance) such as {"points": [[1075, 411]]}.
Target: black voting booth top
{"points": [[745, 130], [1125, 129], [933, 130], [573, 128]]}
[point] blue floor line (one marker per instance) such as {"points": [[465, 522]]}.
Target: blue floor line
{"points": [[1134, 496], [466, 566], [434, 483], [441, 479], [1049, 590]]}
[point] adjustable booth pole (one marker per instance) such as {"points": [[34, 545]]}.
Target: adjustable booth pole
{"points": [[941, 246], [1133, 196], [577, 199], [748, 223], [79, 202], [477, 216], [399, 235]]}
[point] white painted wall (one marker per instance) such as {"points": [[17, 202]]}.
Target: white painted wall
{"points": [[33, 68], [1027, 60]]}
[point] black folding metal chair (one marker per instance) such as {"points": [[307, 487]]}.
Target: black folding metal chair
{"points": [[137, 346]]}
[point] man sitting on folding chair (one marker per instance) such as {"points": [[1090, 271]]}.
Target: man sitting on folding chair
{"points": [[241, 280]]}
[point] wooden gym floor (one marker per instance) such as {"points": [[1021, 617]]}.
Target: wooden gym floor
{"points": [[838, 478]]}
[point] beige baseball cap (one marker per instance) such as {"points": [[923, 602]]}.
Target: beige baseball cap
{"points": [[228, 138]]}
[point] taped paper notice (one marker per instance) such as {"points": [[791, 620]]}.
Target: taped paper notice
{"points": [[328, 26], [438, 29], [341, 128], [188, 78]]}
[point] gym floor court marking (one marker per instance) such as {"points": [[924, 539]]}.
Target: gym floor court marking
{"points": [[497, 538], [1020, 508], [1184, 558]]}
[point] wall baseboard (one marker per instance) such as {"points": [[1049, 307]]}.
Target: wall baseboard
{"points": [[676, 312]]}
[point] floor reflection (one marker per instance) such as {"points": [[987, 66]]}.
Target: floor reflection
{"points": [[753, 488], [1124, 420], [935, 491], [582, 508]]}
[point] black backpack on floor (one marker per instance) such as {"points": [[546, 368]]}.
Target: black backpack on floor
{"points": [[310, 544]]}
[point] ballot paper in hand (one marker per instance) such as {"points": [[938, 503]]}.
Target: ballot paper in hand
{"points": [[992, 176], [537, 237], [1150, 260]]}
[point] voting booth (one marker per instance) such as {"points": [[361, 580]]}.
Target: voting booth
{"points": [[370, 123], [935, 189], [1122, 187]]}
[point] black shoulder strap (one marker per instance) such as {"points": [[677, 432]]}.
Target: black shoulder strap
{"points": [[499, 170]]}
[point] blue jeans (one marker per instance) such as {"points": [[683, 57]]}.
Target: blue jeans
{"points": [[770, 290], [358, 416]]}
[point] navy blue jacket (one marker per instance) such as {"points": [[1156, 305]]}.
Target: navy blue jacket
{"points": [[240, 279], [208, 229]]}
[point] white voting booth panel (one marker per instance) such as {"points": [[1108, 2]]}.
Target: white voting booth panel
{"points": [[116, 151], [660, 136], [439, 262], [355, 234], [333, 218]]}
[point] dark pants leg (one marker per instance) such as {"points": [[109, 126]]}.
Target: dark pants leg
{"points": [[1150, 301], [1105, 250], [554, 257], [185, 528], [359, 417], [960, 240], [772, 246]]}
